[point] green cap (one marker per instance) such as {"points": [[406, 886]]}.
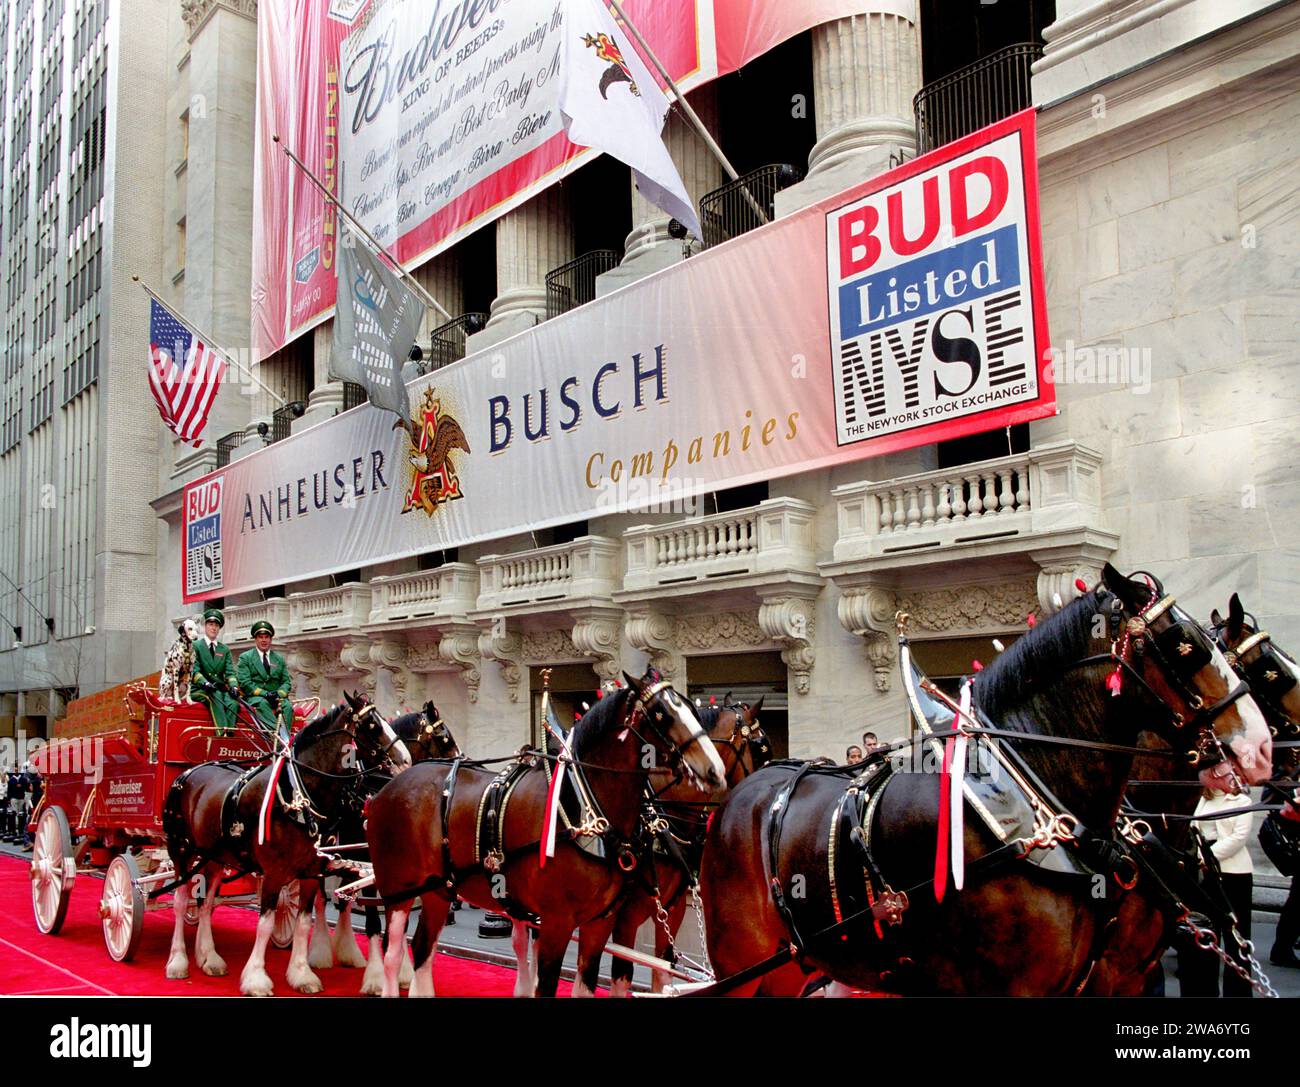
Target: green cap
{"points": [[262, 627], [214, 615]]}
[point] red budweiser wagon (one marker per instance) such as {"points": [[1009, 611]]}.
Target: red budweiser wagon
{"points": [[106, 775]]}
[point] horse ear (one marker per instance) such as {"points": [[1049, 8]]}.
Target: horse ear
{"points": [[1134, 594], [633, 684], [1216, 620], [354, 700], [1236, 616], [751, 712]]}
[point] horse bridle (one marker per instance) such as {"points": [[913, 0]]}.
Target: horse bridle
{"points": [[1180, 649], [1255, 661], [641, 709]]}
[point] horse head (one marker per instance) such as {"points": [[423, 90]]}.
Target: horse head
{"points": [[377, 745], [1272, 673], [745, 736], [676, 727], [436, 735], [1212, 716]]}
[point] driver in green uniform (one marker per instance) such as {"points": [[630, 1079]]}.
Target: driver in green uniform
{"points": [[212, 681], [264, 682]]}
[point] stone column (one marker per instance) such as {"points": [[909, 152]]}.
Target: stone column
{"points": [[531, 240], [326, 397], [866, 71], [649, 248], [219, 193]]}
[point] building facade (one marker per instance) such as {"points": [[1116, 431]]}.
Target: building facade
{"points": [[1167, 136], [81, 111]]}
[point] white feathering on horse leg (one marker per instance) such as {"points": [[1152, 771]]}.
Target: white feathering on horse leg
{"points": [[205, 947], [255, 981], [372, 983], [396, 951], [178, 960], [320, 953], [422, 978], [347, 952], [406, 971], [300, 975], [525, 977]]}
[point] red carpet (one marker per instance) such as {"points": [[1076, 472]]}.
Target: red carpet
{"points": [[75, 962]]}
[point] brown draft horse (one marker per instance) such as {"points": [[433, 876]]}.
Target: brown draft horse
{"points": [[744, 748], [1145, 922], [1014, 929], [417, 854], [333, 754], [425, 736]]}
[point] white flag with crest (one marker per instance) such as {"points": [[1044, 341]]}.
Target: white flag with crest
{"points": [[611, 102]]}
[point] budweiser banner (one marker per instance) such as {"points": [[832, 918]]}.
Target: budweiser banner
{"points": [[901, 312], [431, 118]]}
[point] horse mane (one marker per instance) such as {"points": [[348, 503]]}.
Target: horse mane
{"points": [[598, 721], [1048, 654], [313, 729]]}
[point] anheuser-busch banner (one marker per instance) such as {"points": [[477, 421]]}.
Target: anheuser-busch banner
{"points": [[903, 311], [430, 118]]}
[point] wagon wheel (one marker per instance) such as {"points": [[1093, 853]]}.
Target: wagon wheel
{"points": [[122, 908], [286, 916], [53, 871]]}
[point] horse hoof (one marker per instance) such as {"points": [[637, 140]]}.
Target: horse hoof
{"points": [[215, 968], [255, 985], [372, 988], [349, 956], [178, 971], [306, 982]]}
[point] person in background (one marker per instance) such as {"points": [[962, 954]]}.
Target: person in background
{"points": [[35, 790], [869, 743], [4, 800], [1198, 970], [853, 755], [17, 789]]}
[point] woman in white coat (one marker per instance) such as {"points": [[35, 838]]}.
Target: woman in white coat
{"points": [[1229, 837]]}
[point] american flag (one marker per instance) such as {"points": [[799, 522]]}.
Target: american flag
{"points": [[184, 374]]}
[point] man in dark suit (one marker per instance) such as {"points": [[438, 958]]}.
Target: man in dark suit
{"points": [[264, 681], [213, 680]]}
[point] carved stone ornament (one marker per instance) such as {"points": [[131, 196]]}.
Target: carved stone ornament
{"points": [[506, 648], [354, 660], [462, 649], [549, 647], [974, 608], [869, 613], [724, 630], [195, 12], [789, 622], [307, 664], [391, 657], [653, 634], [596, 636]]}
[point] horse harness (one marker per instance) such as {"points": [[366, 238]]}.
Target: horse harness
{"points": [[1125, 852]]}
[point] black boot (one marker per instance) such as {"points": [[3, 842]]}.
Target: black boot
{"points": [[1284, 956]]}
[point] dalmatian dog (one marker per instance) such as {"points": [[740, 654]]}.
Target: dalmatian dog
{"points": [[179, 664]]}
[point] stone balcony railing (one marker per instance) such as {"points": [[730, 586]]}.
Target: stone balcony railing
{"points": [[449, 591], [241, 617], [343, 608], [774, 536], [584, 570], [1028, 494]]}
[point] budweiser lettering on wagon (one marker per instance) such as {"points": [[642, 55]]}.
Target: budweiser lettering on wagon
{"points": [[935, 290]]}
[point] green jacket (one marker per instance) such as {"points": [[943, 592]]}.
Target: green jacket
{"points": [[213, 670], [256, 682]]}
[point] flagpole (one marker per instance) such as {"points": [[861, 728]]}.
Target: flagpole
{"points": [[230, 359], [691, 115], [431, 302]]}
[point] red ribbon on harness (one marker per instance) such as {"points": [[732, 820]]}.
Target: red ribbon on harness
{"points": [[941, 858]]}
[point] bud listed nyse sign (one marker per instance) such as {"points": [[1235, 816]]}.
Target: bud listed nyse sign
{"points": [[937, 309]]}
